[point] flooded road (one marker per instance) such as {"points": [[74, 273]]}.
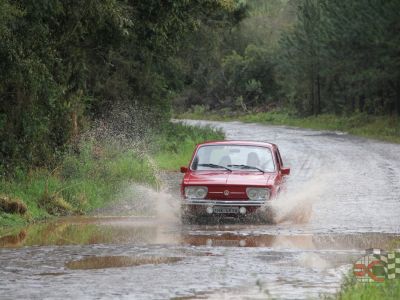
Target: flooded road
{"points": [[342, 197]]}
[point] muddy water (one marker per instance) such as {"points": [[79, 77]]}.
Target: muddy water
{"points": [[342, 197]]}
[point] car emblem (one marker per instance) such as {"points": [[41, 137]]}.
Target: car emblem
{"points": [[226, 193]]}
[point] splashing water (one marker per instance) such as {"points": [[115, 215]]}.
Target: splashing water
{"points": [[137, 200], [295, 204], [164, 203], [126, 129]]}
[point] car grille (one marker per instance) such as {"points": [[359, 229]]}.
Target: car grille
{"points": [[220, 192]]}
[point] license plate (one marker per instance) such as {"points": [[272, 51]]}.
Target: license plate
{"points": [[225, 210]]}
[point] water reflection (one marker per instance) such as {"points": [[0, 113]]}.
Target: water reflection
{"points": [[83, 231], [139, 231], [14, 240], [102, 262]]}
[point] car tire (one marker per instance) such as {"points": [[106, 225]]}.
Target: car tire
{"points": [[270, 216], [266, 216], [187, 218]]}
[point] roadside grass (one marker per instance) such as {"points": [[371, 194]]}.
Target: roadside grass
{"points": [[353, 290], [92, 176], [386, 128], [79, 184]]}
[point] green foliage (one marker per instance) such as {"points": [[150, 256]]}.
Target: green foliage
{"points": [[46, 57], [341, 57], [300, 59], [309, 56], [234, 67], [201, 59], [250, 76], [65, 63]]}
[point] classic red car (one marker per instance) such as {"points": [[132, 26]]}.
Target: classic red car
{"points": [[231, 178]]}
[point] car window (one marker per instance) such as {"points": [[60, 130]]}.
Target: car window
{"points": [[235, 157]]}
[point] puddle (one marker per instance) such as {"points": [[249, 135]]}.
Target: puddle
{"points": [[148, 231], [92, 231], [103, 262], [294, 241]]}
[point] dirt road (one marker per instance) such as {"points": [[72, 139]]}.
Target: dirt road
{"points": [[343, 196]]}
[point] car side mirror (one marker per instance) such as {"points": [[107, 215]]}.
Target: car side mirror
{"points": [[184, 169], [285, 171]]}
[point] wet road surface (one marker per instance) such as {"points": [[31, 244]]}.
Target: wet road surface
{"points": [[343, 196]]}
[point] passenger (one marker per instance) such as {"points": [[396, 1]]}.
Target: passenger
{"points": [[225, 161], [253, 160]]}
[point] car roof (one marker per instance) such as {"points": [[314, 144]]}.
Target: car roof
{"points": [[239, 142]]}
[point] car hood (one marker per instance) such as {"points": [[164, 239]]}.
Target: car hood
{"points": [[228, 178]]}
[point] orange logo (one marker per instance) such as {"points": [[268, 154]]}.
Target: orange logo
{"points": [[377, 266], [364, 270]]}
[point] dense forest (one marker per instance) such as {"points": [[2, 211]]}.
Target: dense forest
{"points": [[307, 56], [64, 64]]}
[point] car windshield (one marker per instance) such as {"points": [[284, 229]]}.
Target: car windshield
{"points": [[234, 158]]}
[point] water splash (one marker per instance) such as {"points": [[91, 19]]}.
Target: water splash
{"points": [[295, 204], [126, 129]]}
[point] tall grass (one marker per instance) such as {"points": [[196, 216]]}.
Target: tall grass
{"points": [[81, 182], [93, 174]]}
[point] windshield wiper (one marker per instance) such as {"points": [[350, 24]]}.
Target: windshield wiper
{"points": [[214, 166], [247, 167]]}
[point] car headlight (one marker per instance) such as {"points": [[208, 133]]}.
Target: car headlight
{"points": [[198, 192], [258, 193]]}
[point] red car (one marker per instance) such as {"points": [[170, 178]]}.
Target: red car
{"points": [[231, 178]]}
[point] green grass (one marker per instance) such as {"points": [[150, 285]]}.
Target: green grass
{"points": [[386, 128], [82, 181], [353, 290], [92, 177]]}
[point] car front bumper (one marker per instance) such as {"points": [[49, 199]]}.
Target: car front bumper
{"points": [[208, 202]]}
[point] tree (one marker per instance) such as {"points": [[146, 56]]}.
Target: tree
{"points": [[63, 63], [341, 57], [301, 57]]}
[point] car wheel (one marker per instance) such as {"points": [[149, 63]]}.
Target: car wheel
{"points": [[187, 218], [266, 216], [270, 216]]}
